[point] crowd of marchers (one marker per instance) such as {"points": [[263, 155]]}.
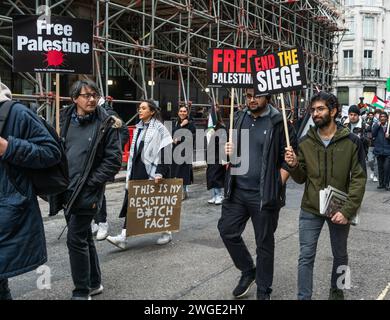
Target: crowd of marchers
{"points": [[92, 137]]}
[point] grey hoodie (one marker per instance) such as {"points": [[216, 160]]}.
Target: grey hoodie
{"points": [[5, 93]]}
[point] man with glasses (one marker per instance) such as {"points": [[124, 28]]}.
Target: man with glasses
{"points": [[258, 193], [328, 155], [94, 156]]}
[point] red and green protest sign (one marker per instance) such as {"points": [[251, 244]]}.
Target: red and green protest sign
{"points": [[230, 68]]}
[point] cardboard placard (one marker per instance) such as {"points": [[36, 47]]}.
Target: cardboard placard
{"points": [[279, 72], [153, 207], [230, 68], [52, 44]]}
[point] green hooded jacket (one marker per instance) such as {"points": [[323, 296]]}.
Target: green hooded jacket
{"points": [[341, 165]]}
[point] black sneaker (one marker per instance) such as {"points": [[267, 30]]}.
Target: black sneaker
{"points": [[264, 296], [380, 187], [336, 294], [96, 290], [245, 283], [81, 298]]}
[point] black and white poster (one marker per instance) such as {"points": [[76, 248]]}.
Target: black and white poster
{"points": [[279, 72], [52, 44]]}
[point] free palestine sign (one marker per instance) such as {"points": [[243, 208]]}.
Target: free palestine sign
{"points": [[52, 44], [230, 68]]}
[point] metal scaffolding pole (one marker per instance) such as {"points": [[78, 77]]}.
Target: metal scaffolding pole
{"points": [[168, 39]]}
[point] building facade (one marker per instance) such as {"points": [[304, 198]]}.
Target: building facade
{"points": [[364, 52]]}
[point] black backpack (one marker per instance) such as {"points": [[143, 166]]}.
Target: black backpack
{"points": [[47, 181]]}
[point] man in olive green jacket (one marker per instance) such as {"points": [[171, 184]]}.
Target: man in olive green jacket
{"points": [[327, 155]]}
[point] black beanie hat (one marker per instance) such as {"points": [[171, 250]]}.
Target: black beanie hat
{"points": [[354, 109]]}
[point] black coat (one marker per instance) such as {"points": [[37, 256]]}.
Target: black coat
{"points": [[215, 173], [381, 143], [22, 236], [104, 161], [183, 170], [273, 193]]}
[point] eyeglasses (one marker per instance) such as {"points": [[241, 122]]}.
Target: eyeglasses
{"points": [[88, 96], [249, 96], [320, 109]]}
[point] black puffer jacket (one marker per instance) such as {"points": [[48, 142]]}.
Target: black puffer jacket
{"points": [[104, 161]]}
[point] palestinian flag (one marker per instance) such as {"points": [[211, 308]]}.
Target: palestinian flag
{"points": [[378, 103]]}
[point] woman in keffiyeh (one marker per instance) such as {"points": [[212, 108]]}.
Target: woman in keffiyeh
{"points": [[146, 160]]}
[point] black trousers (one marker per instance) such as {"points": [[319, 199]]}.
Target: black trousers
{"points": [[101, 215], [235, 214], [5, 293], [383, 170], [84, 262]]}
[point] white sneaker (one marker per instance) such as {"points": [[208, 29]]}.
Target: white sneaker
{"points": [[102, 232], [165, 238], [120, 240], [212, 200], [371, 176], [96, 291], [375, 179], [218, 200], [94, 228]]}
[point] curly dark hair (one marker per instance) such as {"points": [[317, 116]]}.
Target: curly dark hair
{"points": [[329, 98]]}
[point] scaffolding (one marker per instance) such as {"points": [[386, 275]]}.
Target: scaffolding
{"points": [[157, 40]]}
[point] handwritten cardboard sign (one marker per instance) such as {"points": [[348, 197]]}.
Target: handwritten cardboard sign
{"points": [[279, 72], [154, 207]]}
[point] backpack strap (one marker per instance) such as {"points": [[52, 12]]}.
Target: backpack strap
{"points": [[5, 109]]}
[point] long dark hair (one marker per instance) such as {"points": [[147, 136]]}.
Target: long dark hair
{"points": [[188, 114], [153, 107]]}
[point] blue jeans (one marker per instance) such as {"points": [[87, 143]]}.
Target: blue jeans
{"points": [[217, 192], [310, 227]]}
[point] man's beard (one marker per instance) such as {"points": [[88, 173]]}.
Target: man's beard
{"points": [[257, 109], [323, 122]]}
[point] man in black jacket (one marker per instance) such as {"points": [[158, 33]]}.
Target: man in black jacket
{"points": [[94, 157], [257, 193]]}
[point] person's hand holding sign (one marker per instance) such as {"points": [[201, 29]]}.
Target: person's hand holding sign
{"points": [[229, 148], [290, 157], [158, 178]]}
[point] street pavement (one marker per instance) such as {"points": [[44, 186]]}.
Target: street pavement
{"points": [[196, 265]]}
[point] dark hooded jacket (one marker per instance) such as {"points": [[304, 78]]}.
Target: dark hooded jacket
{"points": [[272, 191], [22, 237], [103, 162]]}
